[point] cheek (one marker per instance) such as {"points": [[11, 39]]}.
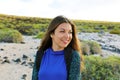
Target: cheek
{"points": [[56, 38], [71, 37], [59, 36]]}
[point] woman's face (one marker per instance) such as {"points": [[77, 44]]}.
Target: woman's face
{"points": [[61, 37]]}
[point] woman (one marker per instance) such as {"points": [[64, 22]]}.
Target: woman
{"points": [[58, 56]]}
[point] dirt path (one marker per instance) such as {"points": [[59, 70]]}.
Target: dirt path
{"points": [[23, 53]]}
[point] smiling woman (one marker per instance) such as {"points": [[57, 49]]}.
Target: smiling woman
{"points": [[59, 56], [62, 36]]}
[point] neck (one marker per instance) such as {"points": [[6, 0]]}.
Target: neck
{"points": [[57, 49]]}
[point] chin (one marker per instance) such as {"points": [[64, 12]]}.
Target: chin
{"points": [[65, 46]]}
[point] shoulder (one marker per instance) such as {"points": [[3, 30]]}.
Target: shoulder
{"points": [[75, 54], [74, 73], [75, 58]]}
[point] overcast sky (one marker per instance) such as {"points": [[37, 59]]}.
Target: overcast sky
{"points": [[102, 10]]}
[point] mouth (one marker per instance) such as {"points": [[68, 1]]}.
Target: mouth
{"points": [[66, 42]]}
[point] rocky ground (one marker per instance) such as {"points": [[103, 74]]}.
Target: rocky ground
{"points": [[108, 42], [16, 59]]}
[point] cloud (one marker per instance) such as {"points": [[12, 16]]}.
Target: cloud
{"points": [[76, 9], [22, 7]]}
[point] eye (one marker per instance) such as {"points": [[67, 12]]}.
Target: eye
{"points": [[70, 32], [62, 31]]}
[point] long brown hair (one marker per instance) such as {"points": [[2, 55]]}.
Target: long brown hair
{"points": [[47, 40]]}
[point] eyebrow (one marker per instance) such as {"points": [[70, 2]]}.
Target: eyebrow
{"points": [[64, 29]]}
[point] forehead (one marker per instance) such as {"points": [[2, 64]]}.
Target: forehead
{"points": [[65, 26]]}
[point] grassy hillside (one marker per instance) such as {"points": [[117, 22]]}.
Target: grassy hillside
{"points": [[25, 25], [34, 25], [97, 26]]}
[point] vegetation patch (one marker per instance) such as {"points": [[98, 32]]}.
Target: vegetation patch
{"points": [[115, 31], [90, 47], [99, 68], [34, 25], [10, 35], [40, 35]]}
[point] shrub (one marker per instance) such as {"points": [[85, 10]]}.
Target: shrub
{"points": [[94, 47], [31, 29], [2, 26], [115, 31], [28, 30], [9, 35], [91, 47], [85, 48], [98, 68], [40, 35]]}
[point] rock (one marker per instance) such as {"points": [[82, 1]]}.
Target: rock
{"points": [[5, 61], [23, 63], [18, 60], [31, 64], [1, 49], [24, 57], [5, 57], [24, 76], [22, 42]]}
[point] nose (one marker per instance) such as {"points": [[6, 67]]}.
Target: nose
{"points": [[67, 36]]}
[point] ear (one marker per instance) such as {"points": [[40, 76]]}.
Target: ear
{"points": [[51, 35]]}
